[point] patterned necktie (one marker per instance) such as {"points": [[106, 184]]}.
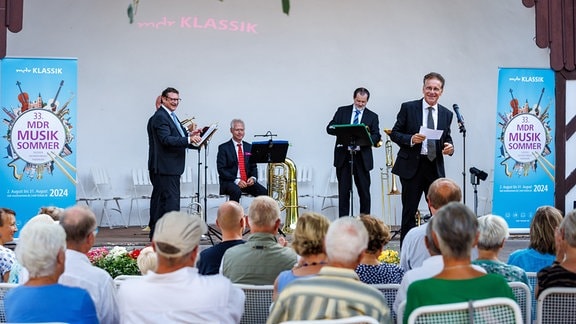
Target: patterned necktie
{"points": [[178, 126], [431, 143], [356, 116], [241, 165]]}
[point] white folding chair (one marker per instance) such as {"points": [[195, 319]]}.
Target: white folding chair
{"points": [[389, 291], [305, 184], [105, 193], [348, 320], [523, 299], [141, 190], [257, 303], [400, 312], [491, 310], [556, 305], [4, 288], [330, 191]]}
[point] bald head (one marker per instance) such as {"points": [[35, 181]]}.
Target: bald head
{"points": [[78, 222], [229, 216], [441, 192]]}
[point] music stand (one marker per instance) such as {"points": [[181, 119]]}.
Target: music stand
{"points": [[269, 152], [352, 136]]}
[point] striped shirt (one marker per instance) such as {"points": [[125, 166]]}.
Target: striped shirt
{"points": [[555, 276], [334, 293]]}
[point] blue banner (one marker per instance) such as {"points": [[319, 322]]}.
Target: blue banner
{"points": [[38, 169], [524, 168]]}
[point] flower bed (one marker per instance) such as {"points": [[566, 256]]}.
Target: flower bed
{"points": [[116, 261]]}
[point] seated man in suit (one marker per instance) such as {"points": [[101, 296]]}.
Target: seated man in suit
{"points": [[237, 174]]}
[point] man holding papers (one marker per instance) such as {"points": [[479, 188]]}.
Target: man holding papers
{"points": [[422, 130]]}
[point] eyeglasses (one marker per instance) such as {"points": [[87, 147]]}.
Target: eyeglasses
{"points": [[174, 99]]}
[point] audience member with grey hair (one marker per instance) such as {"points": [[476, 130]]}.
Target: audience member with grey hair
{"points": [[147, 260], [455, 231], [493, 233], [261, 258], [79, 223], [41, 250], [563, 272], [336, 284], [175, 292]]}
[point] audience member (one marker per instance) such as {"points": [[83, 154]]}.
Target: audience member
{"points": [[7, 230], [429, 268], [541, 251], [336, 284], [414, 252], [455, 231], [52, 211], [563, 272], [147, 260], [230, 219], [261, 258], [79, 223], [493, 233], [308, 243], [371, 270], [176, 292], [41, 250]]}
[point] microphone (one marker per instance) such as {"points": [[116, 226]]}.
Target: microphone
{"points": [[458, 115]]}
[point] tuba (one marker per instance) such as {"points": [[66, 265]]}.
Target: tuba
{"points": [[283, 187]]}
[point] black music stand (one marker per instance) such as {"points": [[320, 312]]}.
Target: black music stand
{"points": [[352, 136], [269, 152]]}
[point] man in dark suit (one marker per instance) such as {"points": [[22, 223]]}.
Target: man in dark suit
{"points": [[420, 161], [234, 180], [356, 113], [167, 141]]}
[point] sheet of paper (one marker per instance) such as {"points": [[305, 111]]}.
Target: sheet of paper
{"points": [[431, 133]]}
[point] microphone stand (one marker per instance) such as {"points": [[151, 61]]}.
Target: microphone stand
{"points": [[463, 131]]}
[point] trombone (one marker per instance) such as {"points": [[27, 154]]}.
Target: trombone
{"points": [[388, 180]]}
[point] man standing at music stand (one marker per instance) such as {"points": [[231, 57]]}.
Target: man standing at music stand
{"points": [[236, 171], [363, 161]]}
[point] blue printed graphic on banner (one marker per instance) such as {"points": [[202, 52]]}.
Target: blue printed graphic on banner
{"points": [[38, 169], [524, 167]]}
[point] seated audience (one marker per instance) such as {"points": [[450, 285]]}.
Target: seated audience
{"points": [[308, 243], [414, 252], [541, 251], [41, 250], [79, 223], [336, 285], [493, 233], [52, 211], [431, 267], [455, 231], [146, 260], [230, 219], [176, 292], [7, 230], [563, 272], [261, 258], [371, 270]]}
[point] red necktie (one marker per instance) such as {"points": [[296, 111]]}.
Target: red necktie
{"points": [[241, 166]]}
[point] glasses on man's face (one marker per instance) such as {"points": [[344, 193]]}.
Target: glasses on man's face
{"points": [[174, 99]]}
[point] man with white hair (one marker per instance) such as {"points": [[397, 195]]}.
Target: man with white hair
{"points": [[261, 258], [336, 284], [41, 250], [175, 292], [79, 223]]}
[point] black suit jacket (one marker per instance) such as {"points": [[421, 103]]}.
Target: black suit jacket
{"points": [[166, 147], [370, 119], [408, 123], [227, 161]]}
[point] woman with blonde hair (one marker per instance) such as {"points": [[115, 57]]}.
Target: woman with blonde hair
{"points": [[541, 252], [308, 243], [147, 260]]}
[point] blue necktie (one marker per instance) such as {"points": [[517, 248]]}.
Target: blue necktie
{"points": [[356, 116], [177, 124]]}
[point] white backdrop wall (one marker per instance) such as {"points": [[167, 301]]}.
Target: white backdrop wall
{"points": [[286, 74]]}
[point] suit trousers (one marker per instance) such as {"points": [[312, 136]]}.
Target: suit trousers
{"points": [[362, 180], [234, 192], [165, 197]]}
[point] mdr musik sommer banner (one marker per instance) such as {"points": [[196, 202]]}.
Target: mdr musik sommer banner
{"points": [[38, 166], [525, 158]]}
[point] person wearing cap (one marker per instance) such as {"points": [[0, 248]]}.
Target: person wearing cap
{"points": [[79, 223], [176, 292], [261, 258]]}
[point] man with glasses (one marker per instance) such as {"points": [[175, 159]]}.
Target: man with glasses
{"points": [[167, 141], [79, 223], [420, 160]]}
